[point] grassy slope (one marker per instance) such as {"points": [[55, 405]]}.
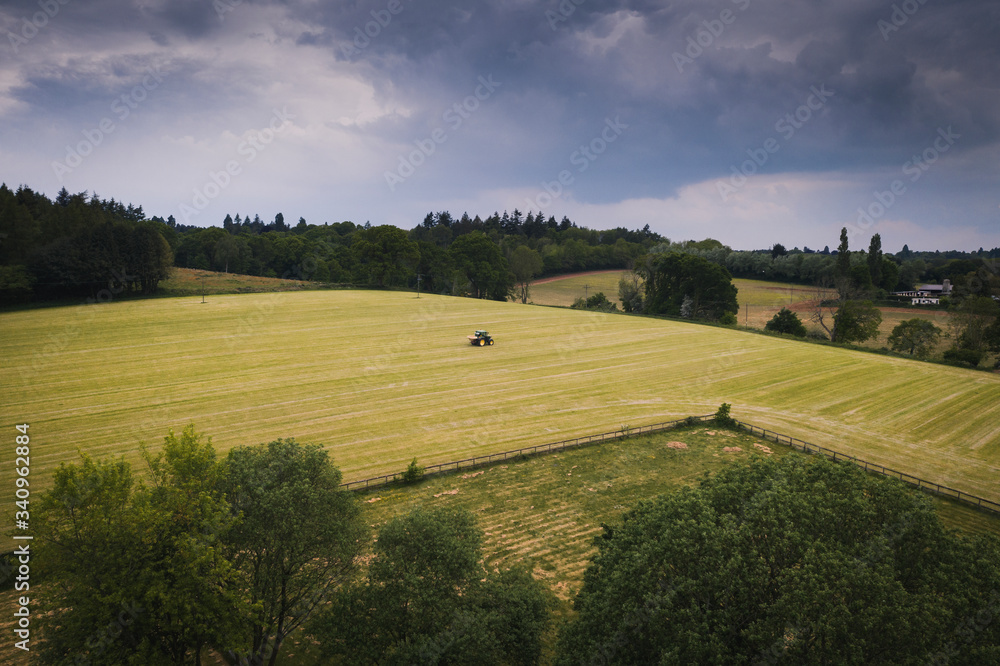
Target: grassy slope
{"points": [[382, 377], [194, 282], [563, 290], [545, 511]]}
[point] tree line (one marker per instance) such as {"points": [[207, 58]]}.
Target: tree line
{"points": [[77, 246], [81, 245], [805, 560]]}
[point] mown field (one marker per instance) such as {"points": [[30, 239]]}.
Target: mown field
{"points": [[545, 510], [563, 290], [379, 378]]}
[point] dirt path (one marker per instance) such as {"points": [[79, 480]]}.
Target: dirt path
{"points": [[573, 275]]}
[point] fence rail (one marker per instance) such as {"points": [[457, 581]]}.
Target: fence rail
{"points": [[794, 442], [922, 484], [551, 447]]}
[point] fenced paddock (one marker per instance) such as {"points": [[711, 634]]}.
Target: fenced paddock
{"points": [[917, 482], [764, 433], [538, 449]]}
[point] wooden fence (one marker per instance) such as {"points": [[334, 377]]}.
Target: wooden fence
{"points": [[922, 484], [468, 463], [794, 442]]}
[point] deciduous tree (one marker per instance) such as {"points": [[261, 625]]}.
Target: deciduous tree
{"points": [[916, 337], [970, 321], [630, 292], [525, 263], [875, 260], [799, 561], [427, 598], [136, 573], [296, 540], [786, 321], [674, 276], [484, 265], [856, 321]]}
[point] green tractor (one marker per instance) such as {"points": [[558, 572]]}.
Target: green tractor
{"points": [[481, 339]]}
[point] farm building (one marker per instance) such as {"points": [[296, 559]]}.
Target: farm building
{"points": [[926, 294]]}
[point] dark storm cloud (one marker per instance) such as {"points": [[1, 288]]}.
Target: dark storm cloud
{"points": [[699, 85], [892, 83]]}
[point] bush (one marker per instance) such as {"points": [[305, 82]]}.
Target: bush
{"points": [[727, 319], [16, 284], [630, 293], [692, 421], [786, 321], [413, 473], [969, 358], [722, 416], [597, 302]]}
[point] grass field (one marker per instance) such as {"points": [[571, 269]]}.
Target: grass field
{"points": [[563, 290], [546, 510], [379, 378], [194, 282]]}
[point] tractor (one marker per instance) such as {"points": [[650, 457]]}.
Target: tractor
{"points": [[481, 339]]}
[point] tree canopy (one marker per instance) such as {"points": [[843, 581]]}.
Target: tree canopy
{"points": [[296, 539], [137, 573], [482, 262], [672, 277], [916, 337], [232, 555], [856, 321], [386, 252], [797, 561], [427, 598], [786, 321]]}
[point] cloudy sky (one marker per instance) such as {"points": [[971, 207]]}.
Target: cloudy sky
{"points": [[750, 121]]}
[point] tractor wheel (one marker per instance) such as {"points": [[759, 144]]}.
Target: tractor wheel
{"points": [[491, 343], [481, 342]]}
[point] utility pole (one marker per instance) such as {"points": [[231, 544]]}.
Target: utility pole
{"points": [[586, 290], [419, 276]]}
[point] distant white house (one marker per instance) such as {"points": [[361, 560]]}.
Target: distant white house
{"points": [[927, 294]]}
